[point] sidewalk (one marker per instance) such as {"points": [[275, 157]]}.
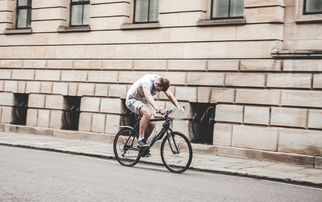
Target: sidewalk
{"points": [[203, 162]]}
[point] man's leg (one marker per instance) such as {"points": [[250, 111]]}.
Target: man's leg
{"points": [[149, 129], [146, 116]]}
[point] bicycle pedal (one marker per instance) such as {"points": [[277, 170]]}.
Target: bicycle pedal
{"points": [[148, 155]]}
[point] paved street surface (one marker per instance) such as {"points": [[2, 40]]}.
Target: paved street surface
{"points": [[33, 175], [201, 161]]}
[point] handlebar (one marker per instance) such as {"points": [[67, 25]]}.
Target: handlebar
{"points": [[168, 112]]}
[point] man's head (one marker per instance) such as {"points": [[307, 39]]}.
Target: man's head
{"points": [[162, 84]]}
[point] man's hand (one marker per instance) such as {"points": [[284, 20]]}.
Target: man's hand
{"points": [[181, 108], [161, 110]]}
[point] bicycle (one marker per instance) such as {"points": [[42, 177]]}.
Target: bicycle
{"points": [[176, 150]]}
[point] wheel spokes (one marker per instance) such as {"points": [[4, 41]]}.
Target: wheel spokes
{"points": [[180, 158], [124, 151]]}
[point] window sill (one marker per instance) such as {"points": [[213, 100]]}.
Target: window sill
{"points": [[297, 54], [131, 26], [309, 19], [221, 22], [63, 29], [17, 31]]}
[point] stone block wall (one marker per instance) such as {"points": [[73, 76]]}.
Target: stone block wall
{"points": [[101, 115], [263, 73], [100, 123], [6, 105], [269, 128], [45, 110]]}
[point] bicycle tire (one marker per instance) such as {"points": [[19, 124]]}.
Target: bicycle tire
{"points": [[126, 156], [184, 147]]}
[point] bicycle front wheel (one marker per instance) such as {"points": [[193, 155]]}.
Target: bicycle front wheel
{"points": [[176, 153], [125, 147]]}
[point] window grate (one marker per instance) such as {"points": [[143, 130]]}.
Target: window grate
{"points": [[71, 112], [19, 112], [202, 123]]}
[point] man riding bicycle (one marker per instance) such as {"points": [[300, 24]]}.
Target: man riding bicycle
{"points": [[140, 100]]}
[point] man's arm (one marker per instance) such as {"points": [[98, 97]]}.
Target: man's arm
{"points": [[171, 97], [148, 96]]}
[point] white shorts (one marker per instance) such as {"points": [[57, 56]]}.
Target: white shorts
{"points": [[135, 105]]}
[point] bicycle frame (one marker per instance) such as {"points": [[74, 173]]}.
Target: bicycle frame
{"points": [[165, 129]]}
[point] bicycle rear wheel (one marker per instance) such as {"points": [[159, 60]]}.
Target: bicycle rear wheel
{"points": [[177, 154], [125, 147]]}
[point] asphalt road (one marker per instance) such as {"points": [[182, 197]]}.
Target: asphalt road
{"points": [[33, 175]]}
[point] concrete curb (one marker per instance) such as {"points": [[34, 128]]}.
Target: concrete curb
{"points": [[217, 171], [234, 152]]}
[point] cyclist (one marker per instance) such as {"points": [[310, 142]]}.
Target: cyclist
{"points": [[140, 100]]}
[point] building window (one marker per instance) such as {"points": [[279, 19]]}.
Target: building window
{"points": [[146, 11], [79, 12], [312, 6], [23, 20], [222, 9]]}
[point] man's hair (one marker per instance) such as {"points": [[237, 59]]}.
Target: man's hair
{"points": [[164, 83]]}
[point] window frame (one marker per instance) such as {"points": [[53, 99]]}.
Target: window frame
{"points": [[29, 9], [142, 22], [220, 18], [83, 3], [309, 13]]}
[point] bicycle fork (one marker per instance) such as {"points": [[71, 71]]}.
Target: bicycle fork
{"points": [[172, 143]]}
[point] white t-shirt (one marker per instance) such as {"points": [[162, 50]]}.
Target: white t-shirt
{"points": [[136, 90]]}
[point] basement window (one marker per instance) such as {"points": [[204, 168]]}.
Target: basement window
{"points": [[71, 112], [128, 118], [202, 122], [20, 107]]}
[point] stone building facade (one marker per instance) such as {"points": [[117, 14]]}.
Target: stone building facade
{"points": [[258, 68]]}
